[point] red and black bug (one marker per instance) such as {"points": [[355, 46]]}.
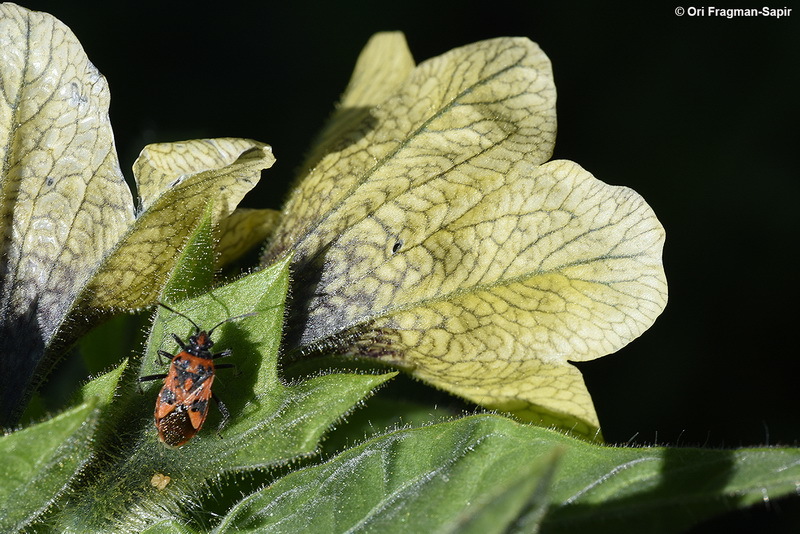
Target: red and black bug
{"points": [[182, 404]]}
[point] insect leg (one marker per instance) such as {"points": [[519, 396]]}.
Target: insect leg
{"points": [[179, 341], [227, 366], [165, 354], [223, 354], [149, 378], [225, 414]]}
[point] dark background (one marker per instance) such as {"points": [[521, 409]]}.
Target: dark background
{"points": [[698, 114]]}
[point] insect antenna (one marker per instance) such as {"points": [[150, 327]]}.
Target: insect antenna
{"points": [[196, 328], [229, 319]]}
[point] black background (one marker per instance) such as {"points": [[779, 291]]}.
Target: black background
{"points": [[698, 114]]}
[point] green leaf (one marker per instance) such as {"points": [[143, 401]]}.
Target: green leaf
{"points": [[615, 489], [488, 472], [169, 526], [470, 474], [104, 387], [271, 422], [381, 415], [39, 463], [193, 269], [516, 504]]}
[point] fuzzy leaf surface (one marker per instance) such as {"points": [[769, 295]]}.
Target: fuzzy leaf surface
{"points": [[271, 422], [448, 476], [73, 246], [38, 463]]}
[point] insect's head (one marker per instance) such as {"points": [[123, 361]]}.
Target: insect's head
{"points": [[201, 338]]}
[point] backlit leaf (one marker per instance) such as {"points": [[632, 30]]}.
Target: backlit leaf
{"points": [[195, 170], [242, 230], [438, 240], [382, 67], [176, 182], [63, 200], [72, 247]]}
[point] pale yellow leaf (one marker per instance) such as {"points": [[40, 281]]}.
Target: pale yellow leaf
{"points": [[480, 107], [177, 180], [551, 267], [440, 241], [209, 162], [63, 200], [243, 230], [382, 67]]}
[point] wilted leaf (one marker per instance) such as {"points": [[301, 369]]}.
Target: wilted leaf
{"points": [[438, 240]]}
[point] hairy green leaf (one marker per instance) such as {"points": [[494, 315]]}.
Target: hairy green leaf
{"points": [[448, 476], [145, 481], [439, 478], [38, 463]]}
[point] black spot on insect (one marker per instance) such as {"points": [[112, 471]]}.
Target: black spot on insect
{"points": [[168, 396], [199, 405], [397, 246], [49, 181], [182, 405]]}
